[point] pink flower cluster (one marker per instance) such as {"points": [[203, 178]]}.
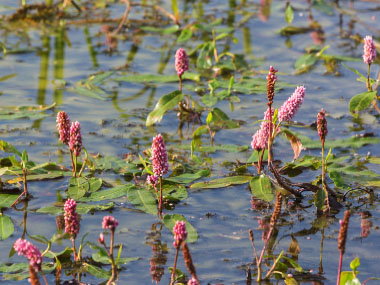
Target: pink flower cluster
{"points": [[180, 233], [291, 106], [152, 180], [159, 156], [75, 142], [71, 217], [181, 61], [193, 281], [369, 53], [109, 223], [272, 77], [24, 247], [63, 126], [260, 138]]}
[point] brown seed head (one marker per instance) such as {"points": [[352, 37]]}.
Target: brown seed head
{"points": [[271, 80], [343, 232], [188, 260], [277, 210], [322, 125]]}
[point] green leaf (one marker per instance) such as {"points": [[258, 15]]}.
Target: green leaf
{"points": [[320, 198], [324, 7], [6, 227], [85, 91], [305, 62], [170, 220], [99, 77], [261, 188], [346, 277], [37, 177], [6, 200], [52, 210], [185, 35], [289, 15], [352, 142], [142, 199], [188, 177], [111, 193], [361, 101], [166, 103], [77, 187], [292, 30], [156, 78], [7, 147], [222, 182], [96, 271], [355, 264], [174, 192], [85, 208], [19, 112], [164, 31], [361, 76]]}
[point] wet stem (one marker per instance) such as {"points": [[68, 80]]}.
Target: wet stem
{"points": [[160, 202], [259, 272], [340, 267], [369, 87], [113, 276], [74, 249], [175, 263], [270, 136]]}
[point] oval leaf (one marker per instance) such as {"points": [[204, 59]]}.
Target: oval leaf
{"points": [[142, 199], [261, 188], [361, 101], [170, 220], [222, 182], [6, 227]]}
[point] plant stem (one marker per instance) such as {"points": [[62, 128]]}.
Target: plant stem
{"points": [[260, 162], [112, 259], [174, 265], [160, 202], [270, 136], [180, 83], [320, 256], [25, 182], [262, 254], [72, 162], [369, 87], [340, 267], [74, 249]]}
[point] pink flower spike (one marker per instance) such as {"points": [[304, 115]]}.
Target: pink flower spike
{"points": [[31, 252], [181, 61], [322, 125], [101, 238], [159, 156], [193, 281], [290, 107], [109, 223], [63, 126], [180, 233], [260, 138], [71, 217], [152, 180], [369, 53], [75, 143]]}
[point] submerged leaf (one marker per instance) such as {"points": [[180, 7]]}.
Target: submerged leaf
{"points": [[6, 227]]}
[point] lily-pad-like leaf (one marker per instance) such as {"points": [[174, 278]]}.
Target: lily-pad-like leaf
{"points": [[164, 31], [361, 101], [112, 193], [222, 182], [167, 102], [170, 220], [354, 142], [79, 186], [81, 208], [86, 91], [6, 227], [142, 199], [261, 188], [174, 192], [37, 177]]}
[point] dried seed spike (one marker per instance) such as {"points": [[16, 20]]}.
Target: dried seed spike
{"points": [[271, 80], [277, 210], [322, 125], [188, 260], [250, 232], [343, 232]]}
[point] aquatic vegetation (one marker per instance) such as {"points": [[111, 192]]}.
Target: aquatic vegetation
{"points": [[194, 76]]}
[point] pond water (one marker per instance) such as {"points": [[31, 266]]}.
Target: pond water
{"points": [[50, 63]]}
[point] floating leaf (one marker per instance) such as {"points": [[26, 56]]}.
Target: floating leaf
{"points": [[174, 192], [7, 147], [19, 112], [261, 188], [166, 103], [222, 182], [292, 30], [81, 90], [99, 77], [96, 271], [188, 177], [6, 200], [320, 198], [324, 7], [142, 199], [305, 62], [289, 15], [37, 177], [170, 220], [353, 142], [6, 227], [164, 31], [361, 101], [156, 78], [81, 208], [108, 194]]}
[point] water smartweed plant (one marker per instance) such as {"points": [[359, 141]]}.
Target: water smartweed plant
{"points": [[192, 75]]}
